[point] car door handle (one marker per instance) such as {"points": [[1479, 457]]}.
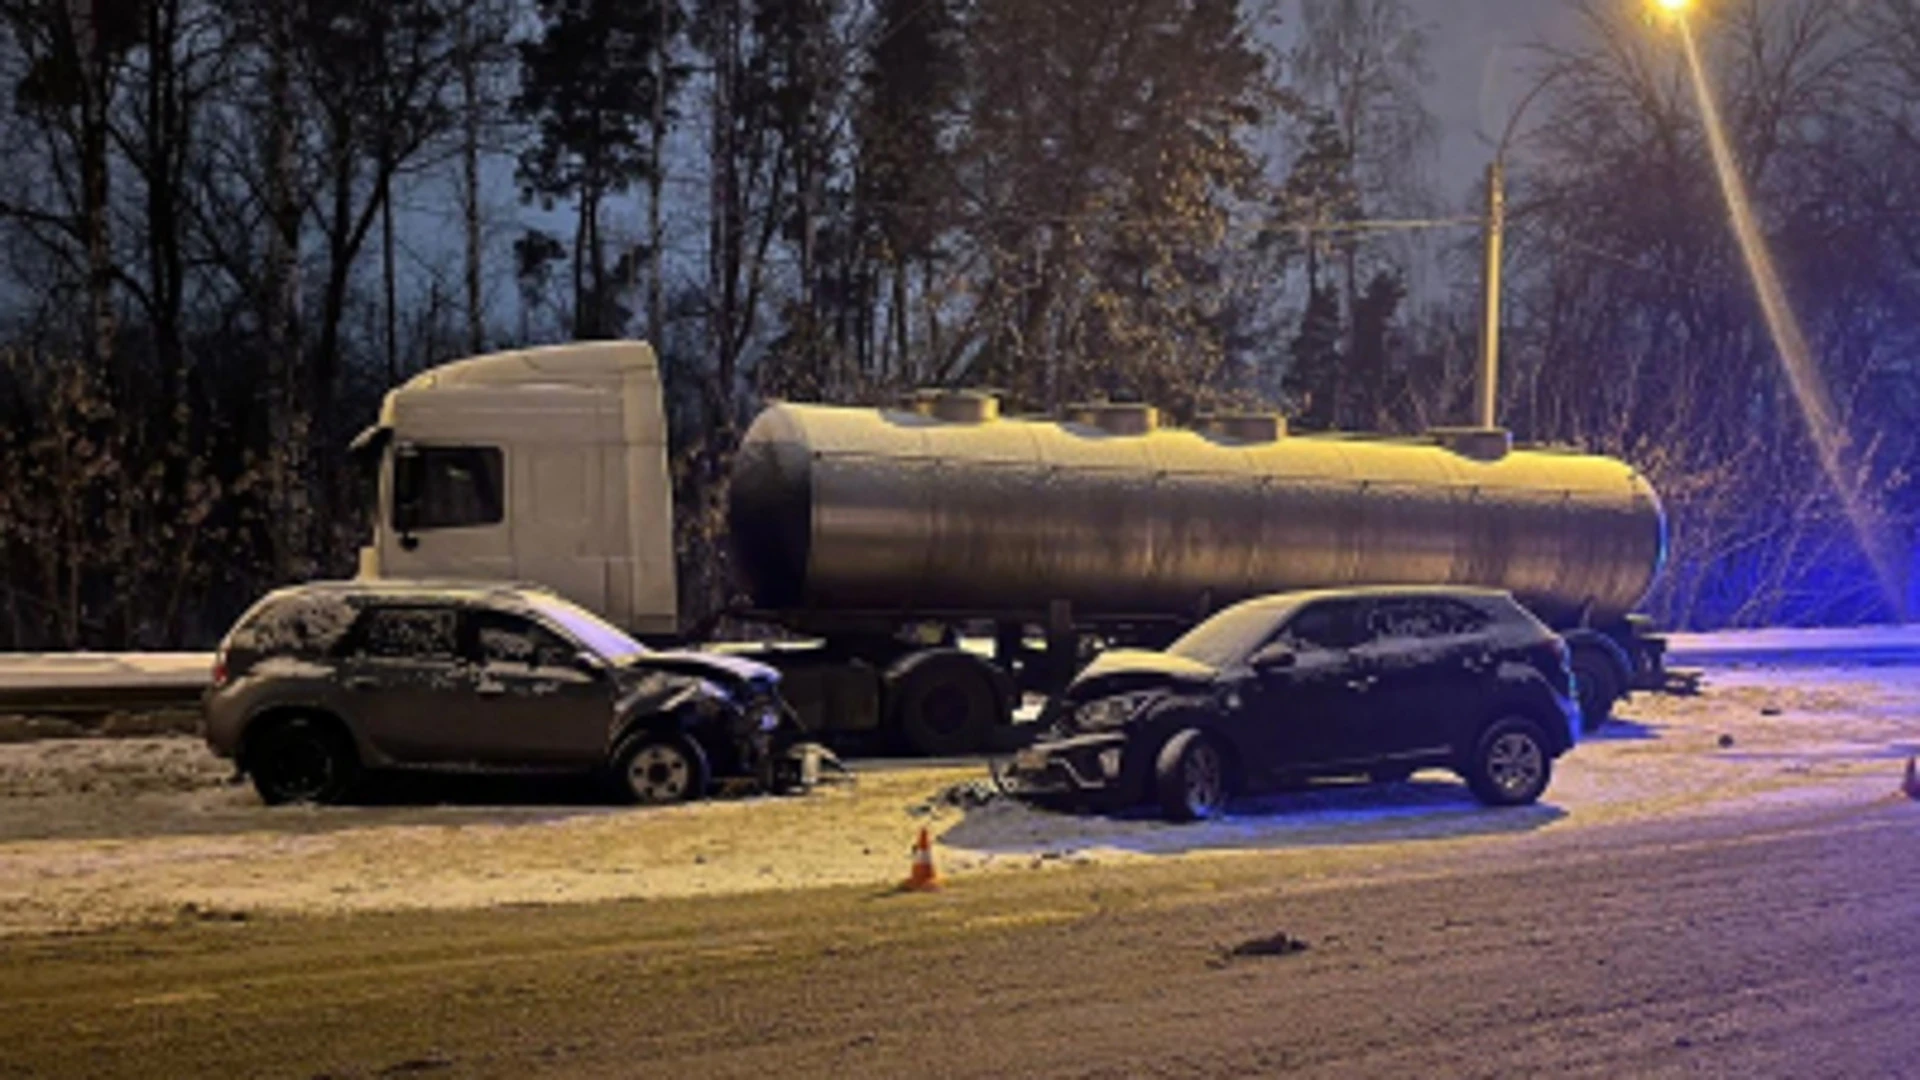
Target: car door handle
{"points": [[362, 682], [1363, 683], [490, 689]]}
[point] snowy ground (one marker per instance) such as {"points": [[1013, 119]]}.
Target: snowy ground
{"points": [[103, 831]]}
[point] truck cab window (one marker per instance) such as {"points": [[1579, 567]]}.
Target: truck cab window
{"points": [[448, 487]]}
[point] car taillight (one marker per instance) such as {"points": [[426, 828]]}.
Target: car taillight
{"points": [[219, 670]]}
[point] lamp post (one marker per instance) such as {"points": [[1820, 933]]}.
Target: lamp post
{"points": [[1488, 388], [1486, 415]]}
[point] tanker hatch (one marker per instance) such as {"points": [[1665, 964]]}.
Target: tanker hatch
{"points": [[1244, 428], [1116, 418], [954, 406], [1479, 444]]}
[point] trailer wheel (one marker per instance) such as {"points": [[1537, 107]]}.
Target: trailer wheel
{"points": [[945, 705], [1598, 687]]}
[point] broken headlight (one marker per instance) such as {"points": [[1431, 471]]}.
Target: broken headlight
{"points": [[1113, 712]]}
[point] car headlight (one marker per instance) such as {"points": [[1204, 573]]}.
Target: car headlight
{"points": [[1112, 712]]}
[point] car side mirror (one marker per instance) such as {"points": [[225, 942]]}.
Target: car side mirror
{"points": [[1275, 658], [589, 664]]}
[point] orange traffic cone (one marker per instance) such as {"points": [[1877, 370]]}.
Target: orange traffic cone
{"points": [[923, 877], [1911, 787]]}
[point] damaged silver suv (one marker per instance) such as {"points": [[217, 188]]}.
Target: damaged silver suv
{"points": [[317, 683]]}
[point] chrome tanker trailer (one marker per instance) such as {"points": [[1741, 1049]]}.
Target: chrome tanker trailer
{"points": [[881, 538]]}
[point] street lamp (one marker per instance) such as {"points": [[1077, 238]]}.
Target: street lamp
{"points": [[1486, 416], [1829, 436]]}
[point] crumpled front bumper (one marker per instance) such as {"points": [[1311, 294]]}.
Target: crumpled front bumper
{"points": [[1081, 765]]}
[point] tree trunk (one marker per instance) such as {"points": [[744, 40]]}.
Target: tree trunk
{"points": [[897, 317], [470, 173], [656, 179], [722, 254], [580, 238], [287, 420], [95, 207], [386, 276]]}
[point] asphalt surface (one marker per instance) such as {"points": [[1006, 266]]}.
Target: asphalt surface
{"points": [[1777, 945]]}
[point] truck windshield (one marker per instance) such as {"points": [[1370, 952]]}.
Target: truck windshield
{"points": [[1228, 637], [591, 630]]}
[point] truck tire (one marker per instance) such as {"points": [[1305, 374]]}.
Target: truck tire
{"points": [[1598, 686], [945, 705]]}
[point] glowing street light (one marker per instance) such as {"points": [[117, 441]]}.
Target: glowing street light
{"points": [[1830, 439]]}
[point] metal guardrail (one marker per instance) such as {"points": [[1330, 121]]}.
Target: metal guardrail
{"points": [[92, 683]]}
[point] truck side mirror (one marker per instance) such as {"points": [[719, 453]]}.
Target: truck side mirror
{"points": [[407, 481]]}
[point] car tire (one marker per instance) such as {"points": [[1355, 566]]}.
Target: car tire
{"points": [[1191, 777], [302, 759], [945, 706], [654, 770], [1598, 689], [1511, 764]]}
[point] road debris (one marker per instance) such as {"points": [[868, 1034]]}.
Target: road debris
{"points": [[1277, 944]]}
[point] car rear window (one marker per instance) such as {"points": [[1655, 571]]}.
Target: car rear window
{"points": [[1424, 617], [301, 624]]}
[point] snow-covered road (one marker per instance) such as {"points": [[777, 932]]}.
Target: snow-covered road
{"points": [[103, 831]]}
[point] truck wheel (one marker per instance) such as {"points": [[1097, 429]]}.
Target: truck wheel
{"points": [[301, 759], [1598, 688], [1510, 765], [1190, 778], [656, 769], [945, 706]]}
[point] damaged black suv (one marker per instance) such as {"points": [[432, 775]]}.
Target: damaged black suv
{"points": [[1372, 683], [319, 683]]}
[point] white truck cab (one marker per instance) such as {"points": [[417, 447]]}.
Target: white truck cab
{"points": [[546, 465]]}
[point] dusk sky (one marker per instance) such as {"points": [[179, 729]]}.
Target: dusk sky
{"points": [[1479, 71]]}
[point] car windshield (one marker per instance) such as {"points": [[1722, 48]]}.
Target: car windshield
{"points": [[1228, 637], [604, 638]]}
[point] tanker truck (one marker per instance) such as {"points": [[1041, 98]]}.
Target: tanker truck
{"points": [[882, 547]]}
